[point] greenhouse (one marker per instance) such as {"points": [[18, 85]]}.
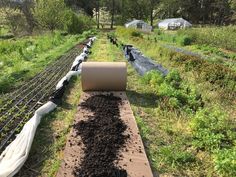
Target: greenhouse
{"points": [[174, 23], [139, 24]]}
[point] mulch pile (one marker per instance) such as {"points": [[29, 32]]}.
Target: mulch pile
{"points": [[103, 136]]}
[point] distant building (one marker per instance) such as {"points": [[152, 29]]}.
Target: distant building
{"points": [[140, 25], [174, 23]]}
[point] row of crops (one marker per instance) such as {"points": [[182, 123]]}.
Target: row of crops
{"points": [[193, 112], [18, 106]]}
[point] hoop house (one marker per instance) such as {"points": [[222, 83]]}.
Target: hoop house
{"points": [[174, 23], [140, 25]]}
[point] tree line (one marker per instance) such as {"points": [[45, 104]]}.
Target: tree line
{"points": [[216, 12], [28, 15], [56, 14]]}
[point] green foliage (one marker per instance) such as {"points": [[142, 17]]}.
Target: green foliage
{"points": [[214, 50], [22, 58], [158, 31], [89, 33], [225, 162], [76, 24], [136, 34], [184, 40], [173, 92], [128, 32], [211, 130], [218, 36], [217, 74], [51, 14], [16, 21], [174, 156], [144, 129]]}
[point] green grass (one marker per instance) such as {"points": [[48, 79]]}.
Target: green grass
{"points": [[22, 58], [187, 40], [221, 37], [47, 150], [167, 132], [180, 142]]}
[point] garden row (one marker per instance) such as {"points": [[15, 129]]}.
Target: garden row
{"points": [[21, 59], [185, 120], [19, 106], [215, 40]]}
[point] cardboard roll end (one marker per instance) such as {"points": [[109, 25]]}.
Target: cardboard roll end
{"points": [[104, 76]]}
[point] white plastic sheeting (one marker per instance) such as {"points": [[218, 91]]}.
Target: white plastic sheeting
{"points": [[174, 23], [67, 77], [15, 155], [139, 24]]}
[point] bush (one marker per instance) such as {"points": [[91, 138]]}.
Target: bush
{"points": [[225, 162], [216, 74], [50, 14], [211, 130], [77, 24], [158, 31], [184, 40], [136, 34], [173, 93], [128, 32], [16, 21]]}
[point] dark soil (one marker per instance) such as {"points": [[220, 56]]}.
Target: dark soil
{"points": [[103, 138]]}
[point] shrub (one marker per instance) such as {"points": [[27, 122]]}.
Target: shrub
{"points": [[128, 32], [216, 74], [184, 40], [173, 93], [136, 34], [76, 24], [225, 162], [158, 31], [211, 130], [50, 14], [16, 21]]}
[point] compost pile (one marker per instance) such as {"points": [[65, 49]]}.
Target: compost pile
{"points": [[103, 136]]}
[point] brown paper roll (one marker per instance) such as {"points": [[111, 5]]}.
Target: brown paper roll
{"points": [[104, 76]]}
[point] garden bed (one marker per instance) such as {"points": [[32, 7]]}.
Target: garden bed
{"points": [[104, 140], [20, 105]]}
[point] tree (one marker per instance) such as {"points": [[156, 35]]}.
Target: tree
{"points": [[25, 6], [152, 6], [50, 14]]}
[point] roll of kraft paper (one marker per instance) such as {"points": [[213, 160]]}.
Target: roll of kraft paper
{"points": [[104, 76]]}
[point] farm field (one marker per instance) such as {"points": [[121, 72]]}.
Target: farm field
{"points": [[158, 98], [200, 41], [29, 55], [181, 124], [183, 135]]}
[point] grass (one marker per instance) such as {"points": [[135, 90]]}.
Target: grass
{"points": [[174, 137], [187, 40], [22, 58], [221, 37], [47, 150], [167, 133]]}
